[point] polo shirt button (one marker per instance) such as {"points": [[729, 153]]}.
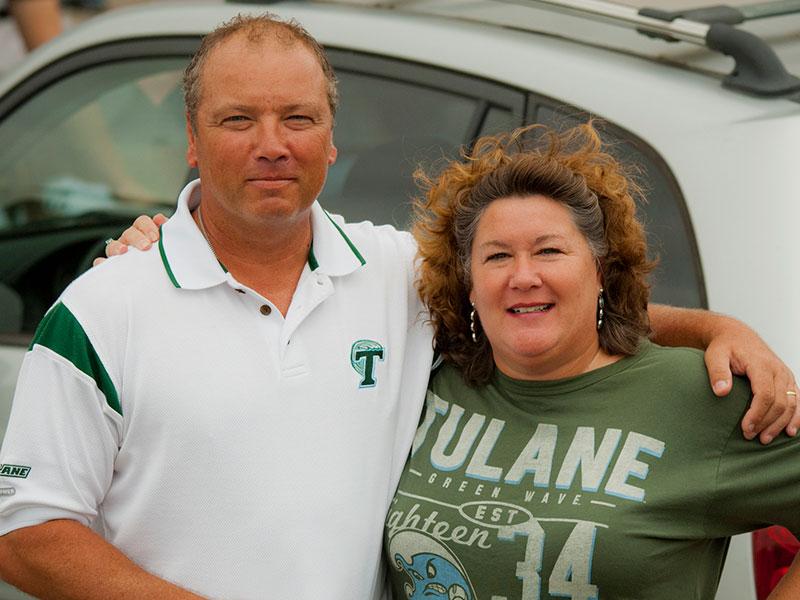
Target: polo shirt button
{"points": [[265, 309]]}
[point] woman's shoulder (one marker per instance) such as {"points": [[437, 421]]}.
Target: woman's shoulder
{"points": [[683, 370], [665, 357]]}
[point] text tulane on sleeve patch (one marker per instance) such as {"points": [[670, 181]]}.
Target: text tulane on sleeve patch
{"points": [[19, 471]]}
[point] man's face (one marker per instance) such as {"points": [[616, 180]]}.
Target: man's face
{"points": [[264, 131]]}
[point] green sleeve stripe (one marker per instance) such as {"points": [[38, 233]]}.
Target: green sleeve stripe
{"points": [[164, 258], [347, 239], [61, 332]]}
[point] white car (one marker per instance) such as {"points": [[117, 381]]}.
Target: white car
{"points": [[92, 133]]}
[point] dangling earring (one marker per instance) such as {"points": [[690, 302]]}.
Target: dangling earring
{"points": [[600, 305], [472, 327]]}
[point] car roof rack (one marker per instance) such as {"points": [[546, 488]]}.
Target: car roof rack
{"points": [[758, 70], [722, 13]]}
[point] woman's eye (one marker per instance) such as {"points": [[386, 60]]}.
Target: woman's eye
{"points": [[497, 256], [550, 251]]}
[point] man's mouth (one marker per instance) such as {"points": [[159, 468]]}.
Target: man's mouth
{"points": [[270, 182], [538, 308]]}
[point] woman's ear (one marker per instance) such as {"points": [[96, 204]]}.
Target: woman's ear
{"points": [[600, 279]]}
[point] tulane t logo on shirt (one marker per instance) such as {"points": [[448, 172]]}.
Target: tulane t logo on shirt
{"points": [[363, 356]]}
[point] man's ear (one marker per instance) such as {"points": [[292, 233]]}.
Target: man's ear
{"points": [[191, 148], [333, 153]]}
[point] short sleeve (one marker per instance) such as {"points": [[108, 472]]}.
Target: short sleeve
{"points": [[64, 432], [756, 486]]}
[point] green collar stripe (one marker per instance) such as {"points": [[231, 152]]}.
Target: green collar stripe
{"points": [[60, 332], [347, 239], [164, 257], [312, 260]]}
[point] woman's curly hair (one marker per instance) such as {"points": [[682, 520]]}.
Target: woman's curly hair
{"points": [[572, 168]]}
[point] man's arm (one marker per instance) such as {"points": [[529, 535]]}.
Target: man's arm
{"points": [[731, 347], [62, 559]]}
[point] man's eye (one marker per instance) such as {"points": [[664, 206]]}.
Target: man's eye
{"points": [[301, 118], [234, 119]]}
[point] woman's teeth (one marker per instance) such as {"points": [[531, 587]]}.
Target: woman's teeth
{"points": [[530, 309]]}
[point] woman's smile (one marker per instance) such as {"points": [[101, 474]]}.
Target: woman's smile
{"points": [[526, 309]]}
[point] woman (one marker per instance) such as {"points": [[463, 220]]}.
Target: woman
{"points": [[562, 454]]}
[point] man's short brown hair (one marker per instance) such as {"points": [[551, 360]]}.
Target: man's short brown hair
{"points": [[256, 28]]}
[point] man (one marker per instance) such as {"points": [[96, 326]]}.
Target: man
{"points": [[227, 417]]}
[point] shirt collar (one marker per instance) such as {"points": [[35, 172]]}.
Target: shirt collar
{"points": [[332, 252], [190, 263]]}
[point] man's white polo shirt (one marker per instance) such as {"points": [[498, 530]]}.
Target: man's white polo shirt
{"points": [[219, 445]]}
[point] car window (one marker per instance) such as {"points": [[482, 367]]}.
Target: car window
{"points": [[678, 278], [79, 160], [498, 120], [106, 140], [384, 129], [395, 116]]}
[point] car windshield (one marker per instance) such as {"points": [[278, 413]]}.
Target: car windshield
{"points": [[79, 153]]}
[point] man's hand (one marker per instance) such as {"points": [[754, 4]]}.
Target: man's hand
{"points": [[731, 347], [142, 234], [738, 350]]}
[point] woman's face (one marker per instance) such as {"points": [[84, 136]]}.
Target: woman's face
{"points": [[535, 285]]}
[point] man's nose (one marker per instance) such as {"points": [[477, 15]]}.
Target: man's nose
{"points": [[271, 141]]}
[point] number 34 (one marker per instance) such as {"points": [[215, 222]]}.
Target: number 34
{"points": [[571, 574]]}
